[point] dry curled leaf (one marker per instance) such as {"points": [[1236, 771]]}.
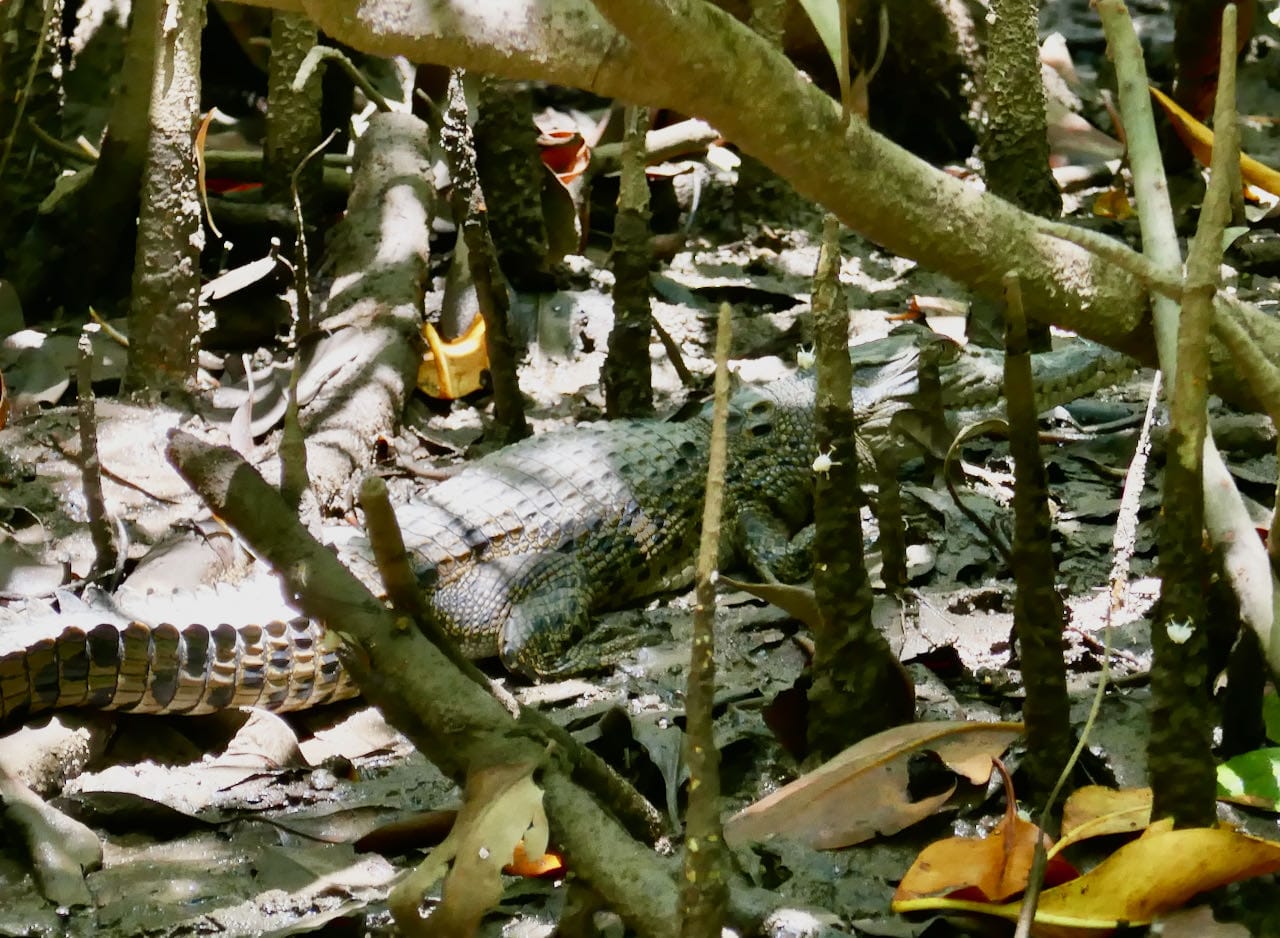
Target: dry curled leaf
{"points": [[503, 810], [864, 791], [983, 869], [1146, 878]]}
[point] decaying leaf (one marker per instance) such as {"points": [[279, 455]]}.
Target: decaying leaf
{"points": [[1097, 811], [986, 869], [864, 791], [503, 810], [797, 600], [453, 369], [1146, 878], [1113, 203], [1155, 874]]}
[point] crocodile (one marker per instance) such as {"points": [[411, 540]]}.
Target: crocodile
{"points": [[517, 551]]}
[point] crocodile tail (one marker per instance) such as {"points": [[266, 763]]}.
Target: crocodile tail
{"points": [[278, 665]]}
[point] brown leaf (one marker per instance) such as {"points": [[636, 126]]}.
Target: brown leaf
{"points": [[864, 791], [1149, 877], [1097, 811], [987, 869], [1199, 140], [797, 601]]}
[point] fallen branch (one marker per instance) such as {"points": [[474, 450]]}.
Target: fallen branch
{"points": [[650, 51], [453, 721]]}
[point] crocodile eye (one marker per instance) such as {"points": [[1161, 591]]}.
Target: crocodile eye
{"points": [[760, 408]]}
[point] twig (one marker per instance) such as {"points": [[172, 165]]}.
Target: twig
{"points": [[1124, 541], [704, 896], [58, 146], [1263, 375], [106, 557], [1230, 527], [1153, 276], [320, 54], [302, 269], [110, 331], [454, 723], [674, 356]]}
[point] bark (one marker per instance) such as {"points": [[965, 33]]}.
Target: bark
{"points": [[511, 175], [1015, 144], [1015, 148], [451, 719], [627, 375], [468, 204], [758, 100], [163, 327], [358, 374], [1180, 750], [859, 688], [293, 117], [704, 896]]}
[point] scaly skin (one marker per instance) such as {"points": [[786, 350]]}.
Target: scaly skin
{"points": [[521, 548], [118, 664]]}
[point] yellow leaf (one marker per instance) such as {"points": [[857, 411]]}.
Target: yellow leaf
{"points": [[1199, 140], [1148, 877]]}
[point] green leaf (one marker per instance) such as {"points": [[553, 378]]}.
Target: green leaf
{"points": [[1252, 775], [1271, 716], [1231, 235], [825, 16]]}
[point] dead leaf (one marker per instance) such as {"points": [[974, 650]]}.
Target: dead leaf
{"points": [[453, 369], [1113, 203], [202, 134], [61, 849], [503, 809], [423, 829], [265, 741], [798, 601], [1199, 140], [549, 864], [986, 869], [1156, 874], [262, 271], [864, 791], [1097, 811], [565, 152], [1149, 877], [252, 397]]}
